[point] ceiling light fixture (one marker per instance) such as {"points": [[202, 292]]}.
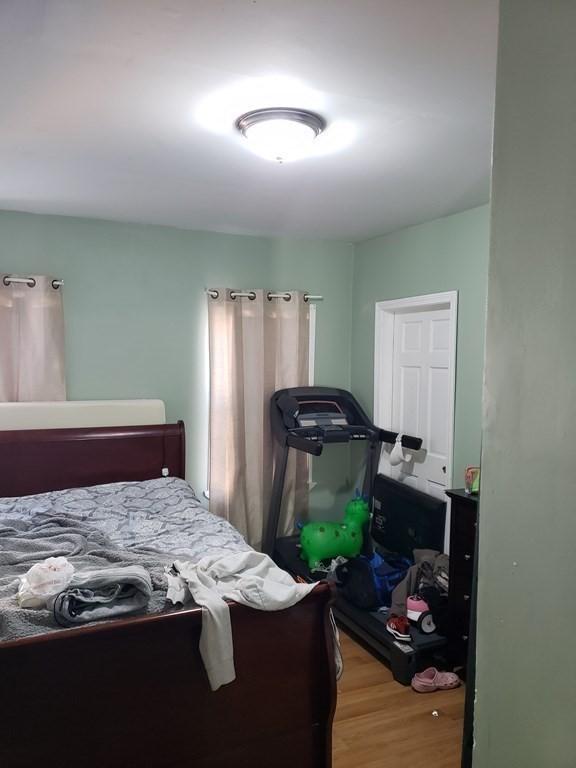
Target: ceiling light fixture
{"points": [[281, 133]]}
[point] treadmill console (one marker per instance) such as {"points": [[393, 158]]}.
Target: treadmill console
{"points": [[307, 417], [320, 413]]}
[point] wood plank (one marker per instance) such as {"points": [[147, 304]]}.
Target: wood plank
{"points": [[380, 722]]}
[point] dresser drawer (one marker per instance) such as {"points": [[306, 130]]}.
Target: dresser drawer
{"points": [[463, 531], [462, 562], [459, 608], [461, 572]]}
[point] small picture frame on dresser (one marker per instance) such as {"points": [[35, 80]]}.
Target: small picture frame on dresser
{"points": [[472, 480]]}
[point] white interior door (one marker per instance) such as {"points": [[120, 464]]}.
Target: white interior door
{"points": [[414, 387]]}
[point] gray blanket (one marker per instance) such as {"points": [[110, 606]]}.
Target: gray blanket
{"points": [[23, 543], [149, 523]]}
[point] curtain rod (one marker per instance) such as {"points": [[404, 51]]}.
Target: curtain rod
{"points": [[214, 294], [29, 281]]}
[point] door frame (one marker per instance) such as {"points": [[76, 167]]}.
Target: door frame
{"points": [[384, 350]]}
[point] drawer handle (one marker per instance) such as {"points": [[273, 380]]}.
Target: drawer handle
{"points": [[467, 557], [465, 637], [466, 597]]}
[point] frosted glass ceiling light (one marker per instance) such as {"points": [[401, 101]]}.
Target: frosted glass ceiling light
{"points": [[281, 134]]}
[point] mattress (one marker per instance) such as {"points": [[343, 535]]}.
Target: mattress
{"points": [[161, 516]]}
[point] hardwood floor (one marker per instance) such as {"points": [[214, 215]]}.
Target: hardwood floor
{"points": [[380, 723]]}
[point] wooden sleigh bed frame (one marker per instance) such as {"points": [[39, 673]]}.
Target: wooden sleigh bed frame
{"points": [[132, 693]]}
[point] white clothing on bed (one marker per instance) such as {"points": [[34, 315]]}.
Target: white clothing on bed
{"points": [[44, 581], [250, 578]]}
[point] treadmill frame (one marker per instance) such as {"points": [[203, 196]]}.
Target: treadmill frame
{"points": [[286, 439]]}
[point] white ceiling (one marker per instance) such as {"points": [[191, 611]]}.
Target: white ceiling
{"points": [[107, 110]]}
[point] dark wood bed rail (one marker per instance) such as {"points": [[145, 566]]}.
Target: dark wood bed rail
{"points": [[39, 460], [134, 693]]}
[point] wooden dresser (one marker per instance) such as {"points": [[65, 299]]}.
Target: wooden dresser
{"points": [[463, 521], [462, 603]]}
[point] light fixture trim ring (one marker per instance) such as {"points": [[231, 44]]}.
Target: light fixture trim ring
{"points": [[313, 120]]}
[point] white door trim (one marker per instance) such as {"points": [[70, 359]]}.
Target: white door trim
{"points": [[383, 354]]}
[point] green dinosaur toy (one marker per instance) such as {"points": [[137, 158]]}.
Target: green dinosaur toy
{"points": [[324, 541]]}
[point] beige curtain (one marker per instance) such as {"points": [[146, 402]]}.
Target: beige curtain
{"points": [[257, 346], [31, 341]]}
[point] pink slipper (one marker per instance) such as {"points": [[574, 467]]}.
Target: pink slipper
{"points": [[432, 680]]}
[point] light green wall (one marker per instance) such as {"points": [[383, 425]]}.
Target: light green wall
{"points": [[135, 305], [443, 255], [136, 321], [328, 267], [526, 667]]}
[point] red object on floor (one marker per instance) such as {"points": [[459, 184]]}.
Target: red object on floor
{"points": [[399, 627]]}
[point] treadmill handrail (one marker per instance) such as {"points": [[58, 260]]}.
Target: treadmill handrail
{"points": [[413, 443], [348, 429]]}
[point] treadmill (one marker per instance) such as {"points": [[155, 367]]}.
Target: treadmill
{"points": [[306, 419]]}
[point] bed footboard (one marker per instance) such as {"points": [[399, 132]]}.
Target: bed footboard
{"points": [[134, 694]]}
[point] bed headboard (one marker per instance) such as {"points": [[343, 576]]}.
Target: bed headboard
{"points": [[39, 460], [68, 414]]}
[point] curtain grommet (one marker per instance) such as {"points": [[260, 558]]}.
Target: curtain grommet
{"points": [[287, 297], [29, 281]]}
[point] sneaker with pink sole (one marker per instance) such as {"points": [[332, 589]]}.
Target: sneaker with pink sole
{"points": [[433, 680]]}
